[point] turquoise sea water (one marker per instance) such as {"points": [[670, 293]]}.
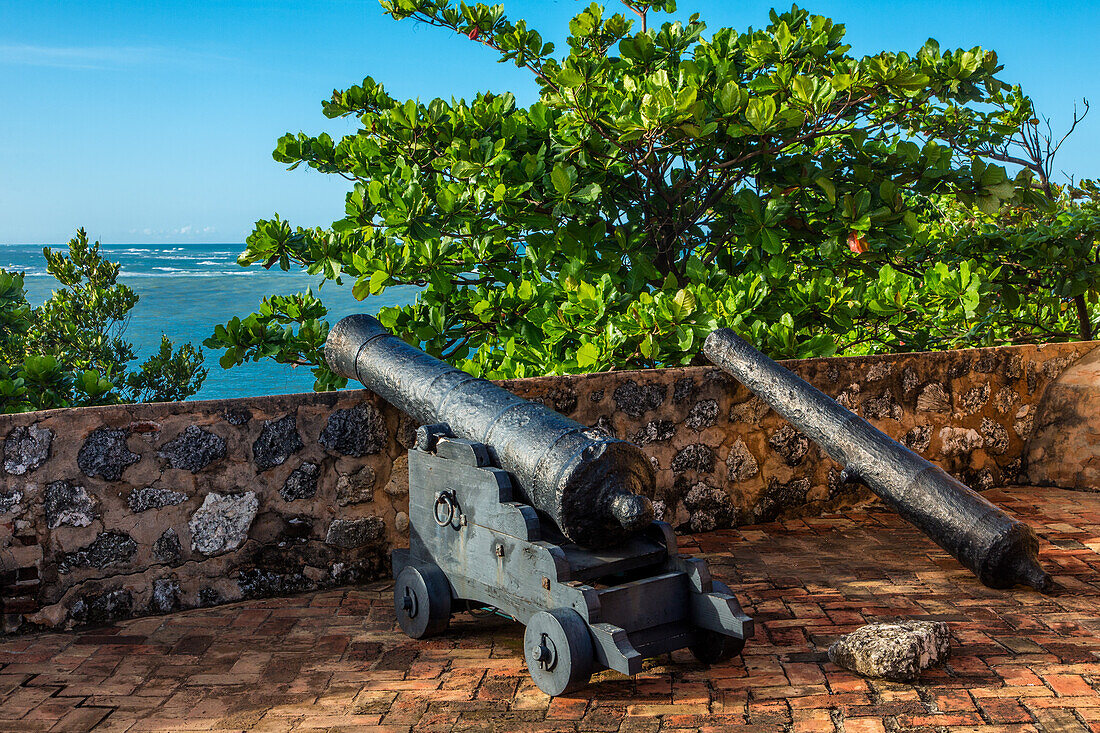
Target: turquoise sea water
{"points": [[185, 290]]}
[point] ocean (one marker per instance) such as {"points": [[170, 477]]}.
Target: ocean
{"points": [[185, 290]]}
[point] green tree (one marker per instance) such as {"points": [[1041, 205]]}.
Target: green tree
{"points": [[979, 275], [665, 182], [1027, 273], [71, 351]]}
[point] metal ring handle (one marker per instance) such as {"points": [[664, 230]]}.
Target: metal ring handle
{"points": [[448, 500]]}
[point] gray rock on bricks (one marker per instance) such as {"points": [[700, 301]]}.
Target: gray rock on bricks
{"points": [[108, 548], [934, 398], [9, 503], [221, 523], [710, 508], [741, 465], [655, 431], [166, 596], [790, 444], [140, 500], [683, 389], [893, 651], [703, 415], [994, 436], [959, 441], [636, 400], [65, 503], [26, 448], [208, 597], [301, 483], [350, 533], [778, 497], [102, 608], [355, 488], [918, 439], [278, 441], [260, 583], [357, 432], [694, 457], [194, 449], [167, 549], [104, 454]]}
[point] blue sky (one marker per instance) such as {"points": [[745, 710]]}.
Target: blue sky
{"points": [[154, 121]]}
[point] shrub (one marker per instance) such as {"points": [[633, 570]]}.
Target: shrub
{"points": [[71, 351], [667, 182]]}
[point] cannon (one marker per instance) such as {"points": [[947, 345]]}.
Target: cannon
{"points": [[999, 549], [516, 508]]}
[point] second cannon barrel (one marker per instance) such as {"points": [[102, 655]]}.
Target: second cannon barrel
{"points": [[589, 485], [999, 549]]}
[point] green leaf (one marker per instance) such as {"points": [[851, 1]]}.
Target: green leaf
{"points": [[569, 78], [587, 194], [362, 288], [783, 38], [760, 113], [465, 169], [826, 185], [561, 179], [771, 241], [378, 280], [374, 191], [685, 99], [587, 355], [446, 200], [731, 98]]}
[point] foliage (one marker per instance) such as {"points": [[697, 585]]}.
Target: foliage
{"points": [[71, 352], [1028, 273], [270, 334], [667, 182]]}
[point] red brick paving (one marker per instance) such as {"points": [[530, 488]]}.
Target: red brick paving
{"points": [[333, 661]]}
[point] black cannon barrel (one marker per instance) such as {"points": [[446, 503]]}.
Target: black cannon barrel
{"points": [[1000, 550], [587, 483]]}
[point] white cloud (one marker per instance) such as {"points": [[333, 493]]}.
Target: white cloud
{"points": [[96, 57], [187, 231], [75, 57]]}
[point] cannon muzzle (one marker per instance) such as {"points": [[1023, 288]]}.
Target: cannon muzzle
{"points": [[1000, 550], [589, 485]]}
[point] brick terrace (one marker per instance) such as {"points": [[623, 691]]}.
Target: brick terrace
{"points": [[333, 661]]}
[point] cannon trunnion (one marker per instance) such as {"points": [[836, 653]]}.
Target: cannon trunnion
{"points": [[584, 609]]}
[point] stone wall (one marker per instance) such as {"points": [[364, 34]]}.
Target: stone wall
{"points": [[1064, 449], [108, 512], [126, 510], [724, 458]]}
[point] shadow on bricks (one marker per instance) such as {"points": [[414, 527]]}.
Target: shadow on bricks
{"points": [[335, 660]]}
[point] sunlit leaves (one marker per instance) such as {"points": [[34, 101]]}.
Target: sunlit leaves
{"points": [[71, 350], [668, 180]]}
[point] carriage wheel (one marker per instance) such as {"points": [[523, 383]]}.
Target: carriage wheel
{"points": [[558, 651], [712, 647], [422, 601]]}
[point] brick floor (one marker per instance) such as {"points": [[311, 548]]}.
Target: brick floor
{"points": [[333, 661]]}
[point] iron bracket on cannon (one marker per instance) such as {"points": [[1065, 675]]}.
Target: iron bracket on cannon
{"points": [[584, 609]]}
